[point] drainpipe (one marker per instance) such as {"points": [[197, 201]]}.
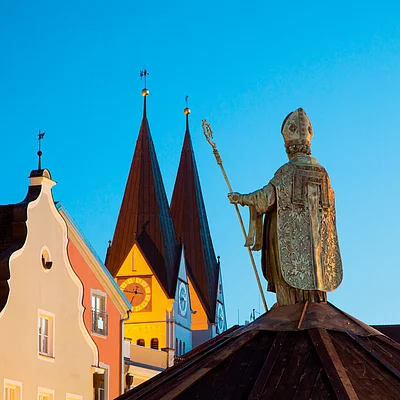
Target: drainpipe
{"points": [[122, 351]]}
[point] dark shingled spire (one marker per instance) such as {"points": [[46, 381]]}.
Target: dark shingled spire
{"points": [[145, 217], [190, 220]]}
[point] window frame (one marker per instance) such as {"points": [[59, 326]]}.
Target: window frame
{"points": [[70, 396], [50, 317], [11, 384], [45, 392], [97, 313]]}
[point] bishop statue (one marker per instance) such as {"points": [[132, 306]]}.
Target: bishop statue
{"points": [[293, 221]]}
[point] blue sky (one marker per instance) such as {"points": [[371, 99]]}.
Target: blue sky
{"points": [[72, 70]]}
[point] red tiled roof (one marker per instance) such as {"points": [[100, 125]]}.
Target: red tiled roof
{"points": [[145, 217], [191, 225]]}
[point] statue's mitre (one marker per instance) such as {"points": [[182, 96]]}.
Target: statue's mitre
{"points": [[297, 129]]}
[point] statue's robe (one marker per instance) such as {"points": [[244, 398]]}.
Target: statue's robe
{"points": [[300, 257]]}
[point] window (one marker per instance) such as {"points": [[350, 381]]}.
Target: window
{"points": [[45, 394], [176, 347], [99, 315], [133, 262], [184, 348], [180, 347], [154, 343], [46, 259], [46, 333], [99, 387], [70, 396], [12, 390], [140, 342]]}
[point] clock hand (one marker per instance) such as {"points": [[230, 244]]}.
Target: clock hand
{"points": [[136, 290]]}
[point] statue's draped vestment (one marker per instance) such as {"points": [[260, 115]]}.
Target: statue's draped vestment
{"points": [[300, 258]]}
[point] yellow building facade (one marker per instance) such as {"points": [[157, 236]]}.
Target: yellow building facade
{"points": [[150, 303]]}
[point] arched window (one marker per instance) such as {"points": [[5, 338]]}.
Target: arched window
{"points": [[184, 348], [154, 343], [180, 347], [140, 342], [176, 347]]}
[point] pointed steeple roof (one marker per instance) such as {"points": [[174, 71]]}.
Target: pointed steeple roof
{"points": [[190, 220], [144, 217]]}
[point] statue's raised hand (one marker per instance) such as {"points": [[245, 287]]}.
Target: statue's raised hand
{"points": [[234, 197]]}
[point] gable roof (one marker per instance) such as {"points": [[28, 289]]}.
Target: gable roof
{"points": [[299, 352], [94, 262], [145, 218], [191, 224], [13, 233]]}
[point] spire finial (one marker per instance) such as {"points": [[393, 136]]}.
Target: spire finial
{"points": [[186, 111], [145, 91], [39, 153], [144, 74]]}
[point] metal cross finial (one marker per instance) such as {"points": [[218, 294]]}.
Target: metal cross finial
{"points": [[144, 74], [39, 153]]}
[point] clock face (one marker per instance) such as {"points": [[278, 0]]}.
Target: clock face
{"points": [[138, 292], [220, 318], [183, 299]]}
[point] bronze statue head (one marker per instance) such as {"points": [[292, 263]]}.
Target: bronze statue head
{"points": [[297, 133]]}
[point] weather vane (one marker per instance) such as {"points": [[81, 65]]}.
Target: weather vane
{"points": [[144, 74], [39, 153], [186, 101]]}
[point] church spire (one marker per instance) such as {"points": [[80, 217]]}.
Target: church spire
{"points": [[144, 218], [190, 220]]}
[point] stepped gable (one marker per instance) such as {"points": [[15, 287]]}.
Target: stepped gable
{"points": [[13, 233], [191, 225], [145, 218], [302, 351]]}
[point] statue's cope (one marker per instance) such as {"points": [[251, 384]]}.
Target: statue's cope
{"points": [[299, 238], [306, 228]]}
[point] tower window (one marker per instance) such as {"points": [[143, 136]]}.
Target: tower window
{"points": [[154, 343], [140, 342]]}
